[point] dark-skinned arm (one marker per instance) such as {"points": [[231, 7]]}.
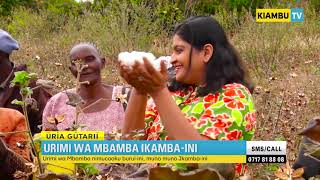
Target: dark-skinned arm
{"points": [[135, 112], [134, 115]]}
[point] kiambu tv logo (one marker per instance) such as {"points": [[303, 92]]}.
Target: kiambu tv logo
{"points": [[280, 15]]}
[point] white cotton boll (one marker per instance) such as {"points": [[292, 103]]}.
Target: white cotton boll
{"points": [[124, 56], [149, 56], [136, 56], [129, 63], [129, 58], [166, 60], [140, 55], [156, 65]]}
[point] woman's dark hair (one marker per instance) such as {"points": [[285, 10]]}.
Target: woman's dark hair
{"points": [[225, 65]]}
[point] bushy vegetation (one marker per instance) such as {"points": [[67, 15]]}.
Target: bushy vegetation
{"points": [[282, 58]]}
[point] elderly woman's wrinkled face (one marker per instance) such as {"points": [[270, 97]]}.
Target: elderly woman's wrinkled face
{"points": [[90, 58]]}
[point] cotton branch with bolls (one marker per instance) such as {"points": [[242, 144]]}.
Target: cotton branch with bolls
{"points": [[75, 99], [22, 80]]}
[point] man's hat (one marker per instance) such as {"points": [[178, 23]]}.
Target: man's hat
{"points": [[7, 43]]}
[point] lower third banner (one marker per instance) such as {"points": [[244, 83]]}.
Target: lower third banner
{"points": [[110, 151], [173, 151]]}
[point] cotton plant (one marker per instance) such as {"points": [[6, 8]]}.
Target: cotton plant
{"points": [[22, 80], [116, 134], [129, 59]]}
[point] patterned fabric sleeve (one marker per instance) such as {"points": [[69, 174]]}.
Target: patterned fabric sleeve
{"points": [[229, 115]]}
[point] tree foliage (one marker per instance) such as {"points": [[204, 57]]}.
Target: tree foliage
{"points": [[168, 11]]}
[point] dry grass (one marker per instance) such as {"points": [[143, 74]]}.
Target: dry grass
{"points": [[283, 60]]}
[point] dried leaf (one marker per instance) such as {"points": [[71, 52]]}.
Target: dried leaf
{"points": [[122, 98], [267, 90], [45, 83], [51, 77], [60, 118], [75, 127], [115, 134], [74, 99], [33, 75], [297, 173], [293, 75], [258, 88], [20, 174], [138, 136], [281, 175], [32, 166], [36, 162], [33, 103], [51, 120], [272, 78], [22, 144], [288, 168]]}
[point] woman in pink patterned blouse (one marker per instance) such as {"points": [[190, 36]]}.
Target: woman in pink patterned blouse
{"points": [[100, 110]]}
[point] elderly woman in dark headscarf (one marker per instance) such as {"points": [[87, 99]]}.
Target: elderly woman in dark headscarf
{"points": [[7, 94]]}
